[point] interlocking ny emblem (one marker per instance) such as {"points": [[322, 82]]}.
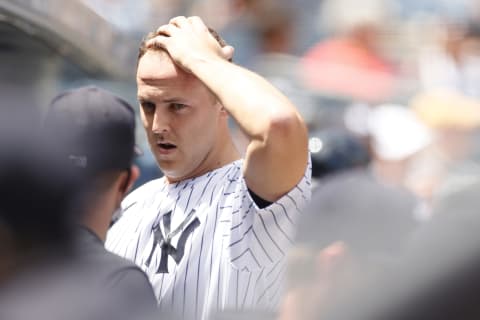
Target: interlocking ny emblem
{"points": [[165, 242]]}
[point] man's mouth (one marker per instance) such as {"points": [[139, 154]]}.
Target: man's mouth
{"points": [[167, 146]]}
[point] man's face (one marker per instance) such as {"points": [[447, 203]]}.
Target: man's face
{"points": [[180, 115]]}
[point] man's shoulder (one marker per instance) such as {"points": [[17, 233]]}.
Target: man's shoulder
{"points": [[115, 263], [111, 269], [144, 192], [148, 187], [118, 276], [91, 252]]}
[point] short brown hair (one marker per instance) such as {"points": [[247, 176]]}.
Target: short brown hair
{"points": [[143, 45]]}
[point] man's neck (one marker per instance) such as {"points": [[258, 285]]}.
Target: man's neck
{"points": [[218, 158], [98, 221]]}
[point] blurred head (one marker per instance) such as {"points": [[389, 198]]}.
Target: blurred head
{"points": [[396, 133], [275, 28], [335, 150], [364, 23], [454, 118], [98, 131], [352, 228], [185, 124]]}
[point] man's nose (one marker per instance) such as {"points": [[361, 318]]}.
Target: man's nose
{"points": [[161, 121]]}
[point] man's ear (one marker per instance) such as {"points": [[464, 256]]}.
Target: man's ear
{"points": [[134, 174], [128, 179]]}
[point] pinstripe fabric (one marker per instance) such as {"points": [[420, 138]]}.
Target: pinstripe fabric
{"points": [[234, 258]]}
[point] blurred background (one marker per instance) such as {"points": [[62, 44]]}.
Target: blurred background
{"points": [[389, 89], [337, 60]]}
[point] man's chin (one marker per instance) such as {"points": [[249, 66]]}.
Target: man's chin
{"points": [[175, 174], [170, 171]]}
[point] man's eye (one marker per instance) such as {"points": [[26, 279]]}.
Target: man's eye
{"points": [[148, 107], [177, 106]]}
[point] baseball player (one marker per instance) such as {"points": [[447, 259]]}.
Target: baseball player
{"points": [[213, 233]]}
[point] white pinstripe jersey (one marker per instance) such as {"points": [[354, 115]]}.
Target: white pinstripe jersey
{"points": [[227, 253]]}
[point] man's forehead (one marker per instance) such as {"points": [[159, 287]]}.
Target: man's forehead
{"points": [[157, 66]]}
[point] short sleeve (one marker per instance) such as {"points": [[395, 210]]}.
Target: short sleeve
{"points": [[261, 237]]}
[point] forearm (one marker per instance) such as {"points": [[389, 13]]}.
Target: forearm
{"points": [[252, 101], [277, 133]]}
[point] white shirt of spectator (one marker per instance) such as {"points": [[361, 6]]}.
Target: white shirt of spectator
{"points": [[234, 253]]}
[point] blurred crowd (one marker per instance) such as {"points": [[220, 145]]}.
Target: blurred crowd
{"points": [[390, 91]]}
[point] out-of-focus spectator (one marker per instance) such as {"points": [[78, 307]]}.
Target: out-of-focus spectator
{"points": [[333, 150], [249, 24], [437, 278], [396, 136], [241, 30], [453, 62], [451, 162], [275, 33], [359, 220], [350, 62], [353, 226]]}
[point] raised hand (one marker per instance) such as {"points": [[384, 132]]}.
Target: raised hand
{"points": [[188, 41]]}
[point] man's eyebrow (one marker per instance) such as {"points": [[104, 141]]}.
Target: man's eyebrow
{"points": [[142, 99], [168, 100], [173, 100]]}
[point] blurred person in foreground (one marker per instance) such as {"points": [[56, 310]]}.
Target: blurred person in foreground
{"points": [[360, 219], [42, 273], [437, 278], [352, 228], [214, 232], [36, 223], [98, 130], [36, 207]]}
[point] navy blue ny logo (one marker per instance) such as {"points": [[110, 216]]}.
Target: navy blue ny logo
{"points": [[164, 242]]}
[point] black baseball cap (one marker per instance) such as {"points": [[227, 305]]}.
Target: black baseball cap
{"points": [[95, 128]]}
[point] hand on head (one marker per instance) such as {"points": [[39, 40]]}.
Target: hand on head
{"points": [[189, 40]]}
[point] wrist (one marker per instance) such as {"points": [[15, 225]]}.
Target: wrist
{"points": [[197, 63]]}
